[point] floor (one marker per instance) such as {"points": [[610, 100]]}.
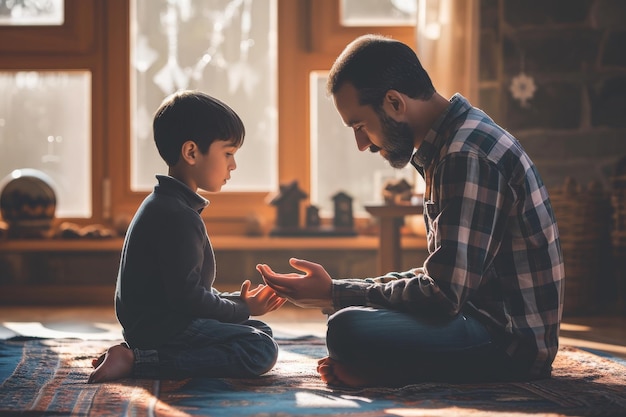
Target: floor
{"points": [[602, 333], [289, 321]]}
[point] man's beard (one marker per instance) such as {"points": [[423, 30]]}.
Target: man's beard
{"points": [[397, 141]]}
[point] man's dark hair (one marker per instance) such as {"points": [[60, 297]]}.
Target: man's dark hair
{"points": [[375, 64], [195, 116]]}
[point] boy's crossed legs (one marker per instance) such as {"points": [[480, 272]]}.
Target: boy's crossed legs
{"points": [[217, 350]]}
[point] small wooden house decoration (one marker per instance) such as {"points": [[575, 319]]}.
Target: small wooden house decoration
{"points": [[312, 217], [343, 218], [397, 191], [287, 202]]}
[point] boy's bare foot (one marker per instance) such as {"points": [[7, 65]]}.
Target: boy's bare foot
{"points": [[116, 363], [338, 374]]}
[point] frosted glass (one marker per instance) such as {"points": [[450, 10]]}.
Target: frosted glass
{"points": [[226, 48], [45, 124], [378, 12], [337, 164], [23, 13]]}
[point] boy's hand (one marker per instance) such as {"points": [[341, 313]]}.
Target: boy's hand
{"points": [[261, 299]]}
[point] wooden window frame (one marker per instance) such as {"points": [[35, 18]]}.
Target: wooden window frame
{"points": [[95, 36], [77, 44], [230, 212], [75, 35], [329, 36]]}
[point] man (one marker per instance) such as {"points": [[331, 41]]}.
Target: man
{"points": [[486, 304]]}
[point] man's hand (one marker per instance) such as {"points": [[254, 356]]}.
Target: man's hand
{"points": [[311, 290], [261, 299]]}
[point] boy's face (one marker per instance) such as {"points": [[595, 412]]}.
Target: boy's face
{"points": [[212, 169]]}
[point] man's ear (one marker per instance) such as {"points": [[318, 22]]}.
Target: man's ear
{"points": [[189, 151], [394, 102]]}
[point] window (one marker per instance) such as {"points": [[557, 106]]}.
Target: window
{"points": [[378, 12], [51, 100], [336, 165], [302, 48], [39, 131], [226, 48], [114, 70], [46, 12]]}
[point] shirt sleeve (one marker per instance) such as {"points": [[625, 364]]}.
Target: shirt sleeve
{"points": [[466, 225]]}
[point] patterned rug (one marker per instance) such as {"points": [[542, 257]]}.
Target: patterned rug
{"points": [[47, 377]]}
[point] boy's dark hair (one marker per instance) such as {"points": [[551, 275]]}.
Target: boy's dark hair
{"points": [[375, 64], [195, 116]]}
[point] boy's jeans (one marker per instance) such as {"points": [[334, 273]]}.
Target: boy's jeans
{"points": [[416, 348], [211, 348]]}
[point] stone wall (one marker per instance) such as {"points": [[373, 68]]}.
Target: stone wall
{"points": [[575, 52], [572, 123]]}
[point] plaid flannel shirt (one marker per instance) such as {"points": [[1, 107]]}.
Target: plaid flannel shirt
{"points": [[493, 242]]}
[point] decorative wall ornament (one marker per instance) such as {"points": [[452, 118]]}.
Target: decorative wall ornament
{"points": [[523, 86]]}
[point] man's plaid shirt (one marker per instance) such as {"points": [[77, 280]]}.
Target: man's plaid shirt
{"points": [[493, 242]]}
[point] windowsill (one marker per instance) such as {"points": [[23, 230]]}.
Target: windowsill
{"points": [[220, 242]]}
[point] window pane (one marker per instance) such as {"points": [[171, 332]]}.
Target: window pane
{"points": [[226, 48], [22, 13], [337, 165], [378, 12], [45, 124]]}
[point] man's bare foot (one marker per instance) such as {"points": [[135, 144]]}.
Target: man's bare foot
{"points": [[96, 362], [338, 374], [117, 363]]}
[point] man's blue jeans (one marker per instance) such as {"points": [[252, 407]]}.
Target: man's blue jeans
{"points": [[211, 348], [415, 348]]}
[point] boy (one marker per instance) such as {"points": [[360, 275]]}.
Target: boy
{"points": [[175, 323]]}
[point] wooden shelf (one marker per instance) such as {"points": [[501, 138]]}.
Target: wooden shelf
{"points": [[52, 271], [61, 245], [219, 242], [57, 294], [315, 243]]}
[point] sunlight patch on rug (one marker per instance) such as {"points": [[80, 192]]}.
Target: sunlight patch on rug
{"points": [[312, 400], [66, 330], [464, 412]]}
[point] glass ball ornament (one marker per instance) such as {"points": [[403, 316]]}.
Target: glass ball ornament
{"points": [[27, 203]]}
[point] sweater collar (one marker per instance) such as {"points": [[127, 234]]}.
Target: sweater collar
{"points": [[171, 186]]}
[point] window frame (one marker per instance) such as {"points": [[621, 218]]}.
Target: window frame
{"points": [[329, 36], [96, 36], [77, 44], [75, 35], [229, 212]]}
